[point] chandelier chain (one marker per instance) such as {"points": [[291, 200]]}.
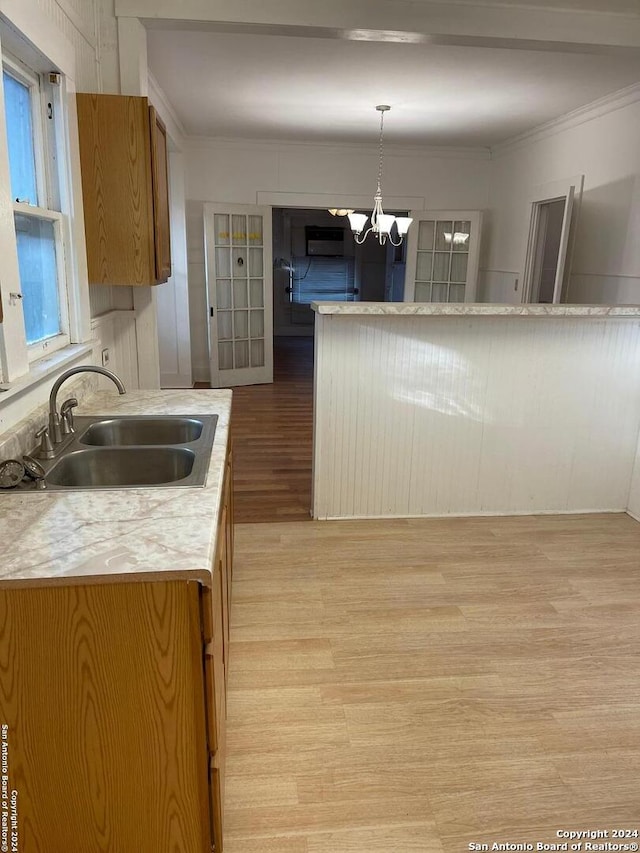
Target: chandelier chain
{"points": [[380, 150]]}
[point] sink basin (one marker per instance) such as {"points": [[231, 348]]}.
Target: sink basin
{"points": [[129, 452], [115, 467], [143, 430]]}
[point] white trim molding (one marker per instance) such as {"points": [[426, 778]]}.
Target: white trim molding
{"points": [[285, 199], [166, 110], [596, 109], [225, 143]]}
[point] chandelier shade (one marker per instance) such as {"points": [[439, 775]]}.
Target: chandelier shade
{"points": [[357, 221]]}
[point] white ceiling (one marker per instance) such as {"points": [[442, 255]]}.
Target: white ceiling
{"points": [[302, 88]]}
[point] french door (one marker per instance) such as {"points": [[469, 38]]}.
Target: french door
{"points": [[443, 252], [240, 293]]}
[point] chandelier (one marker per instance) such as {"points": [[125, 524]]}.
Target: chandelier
{"points": [[381, 222]]}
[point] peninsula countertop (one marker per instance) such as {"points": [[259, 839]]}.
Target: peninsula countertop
{"points": [[473, 309], [128, 534]]}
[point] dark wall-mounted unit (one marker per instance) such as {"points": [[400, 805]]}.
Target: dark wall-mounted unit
{"points": [[324, 242]]}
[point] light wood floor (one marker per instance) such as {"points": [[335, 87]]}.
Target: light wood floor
{"points": [[416, 685]]}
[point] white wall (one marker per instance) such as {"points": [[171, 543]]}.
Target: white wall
{"points": [[474, 415], [244, 172], [198, 310], [603, 143]]}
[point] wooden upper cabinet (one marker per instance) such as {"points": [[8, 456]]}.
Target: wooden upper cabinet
{"points": [[160, 177], [123, 156]]}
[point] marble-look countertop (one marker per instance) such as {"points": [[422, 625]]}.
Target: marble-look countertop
{"points": [[473, 309], [126, 534]]}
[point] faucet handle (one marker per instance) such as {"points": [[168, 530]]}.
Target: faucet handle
{"points": [[45, 451], [66, 415]]}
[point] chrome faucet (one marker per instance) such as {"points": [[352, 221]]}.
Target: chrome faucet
{"points": [[55, 431]]}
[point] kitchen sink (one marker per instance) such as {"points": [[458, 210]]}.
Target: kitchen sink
{"points": [[143, 431], [128, 452], [115, 467]]}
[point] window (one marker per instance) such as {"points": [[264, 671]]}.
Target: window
{"points": [[39, 225], [318, 278]]}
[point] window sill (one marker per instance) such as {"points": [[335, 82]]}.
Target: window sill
{"points": [[42, 369]]}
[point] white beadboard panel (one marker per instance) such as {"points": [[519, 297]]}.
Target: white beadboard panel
{"points": [[100, 299], [76, 19], [421, 416], [116, 331], [126, 345], [104, 297]]}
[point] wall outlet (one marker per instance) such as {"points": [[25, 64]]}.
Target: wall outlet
{"points": [[106, 356]]}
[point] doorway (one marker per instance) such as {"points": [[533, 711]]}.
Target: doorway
{"points": [[546, 250], [552, 229], [316, 258]]}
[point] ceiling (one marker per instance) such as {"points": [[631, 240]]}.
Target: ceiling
{"points": [[237, 82]]}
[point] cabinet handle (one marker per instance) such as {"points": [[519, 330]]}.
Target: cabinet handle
{"points": [[208, 650]]}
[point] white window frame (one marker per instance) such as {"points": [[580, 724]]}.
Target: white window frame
{"points": [[48, 194]]}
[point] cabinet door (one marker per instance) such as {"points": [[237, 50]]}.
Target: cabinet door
{"points": [[214, 666], [102, 703], [114, 137], [160, 196]]}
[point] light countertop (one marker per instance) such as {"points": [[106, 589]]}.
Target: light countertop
{"points": [[128, 534], [473, 309]]}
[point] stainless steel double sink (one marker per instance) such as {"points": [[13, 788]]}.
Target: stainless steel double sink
{"points": [[133, 452]]}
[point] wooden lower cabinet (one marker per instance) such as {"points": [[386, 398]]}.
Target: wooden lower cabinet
{"points": [[112, 707]]}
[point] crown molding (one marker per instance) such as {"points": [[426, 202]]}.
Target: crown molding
{"points": [[596, 109], [448, 152], [157, 92], [558, 7]]}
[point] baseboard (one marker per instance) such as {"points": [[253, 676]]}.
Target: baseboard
{"points": [[484, 514], [176, 380]]}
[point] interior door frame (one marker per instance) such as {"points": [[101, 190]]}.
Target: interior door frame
{"points": [[242, 375], [473, 264], [571, 190]]}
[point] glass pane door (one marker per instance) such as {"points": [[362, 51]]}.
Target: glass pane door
{"points": [[239, 256], [240, 290], [442, 260]]}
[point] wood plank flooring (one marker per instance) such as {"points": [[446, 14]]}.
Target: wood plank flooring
{"points": [[272, 432], [415, 685]]}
